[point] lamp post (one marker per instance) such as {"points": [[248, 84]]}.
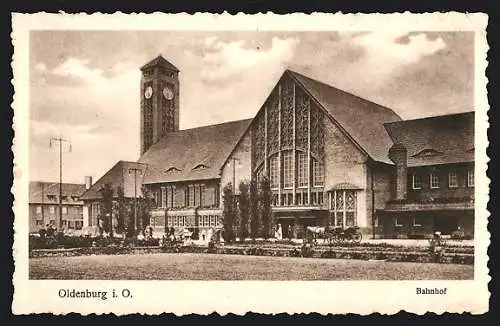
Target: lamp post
{"points": [[60, 141], [135, 170]]}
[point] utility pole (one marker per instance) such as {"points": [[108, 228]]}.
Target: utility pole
{"points": [[43, 216], [135, 170], [60, 141]]}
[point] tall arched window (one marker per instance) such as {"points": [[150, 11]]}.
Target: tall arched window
{"points": [[288, 169], [274, 172], [318, 174], [302, 170]]}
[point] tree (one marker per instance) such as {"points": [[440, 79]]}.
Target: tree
{"points": [[121, 210], [228, 212], [107, 207], [144, 206], [254, 209], [265, 201], [244, 210]]}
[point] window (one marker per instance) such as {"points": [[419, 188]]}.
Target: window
{"points": [[288, 170], [39, 209], [39, 222], [274, 172], [191, 196], [298, 198], [452, 180], [343, 206], [157, 202], [398, 221], [65, 210], [416, 181], [163, 197], [304, 198], [317, 174], [417, 221], [78, 225], [274, 199], [52, 209], [314, 198], [289, 199], [434, 181], [470, 178], [51, 197], [320, 198], [302, 169]]}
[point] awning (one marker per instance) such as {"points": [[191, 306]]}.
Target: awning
{"points": [[345, 186]]}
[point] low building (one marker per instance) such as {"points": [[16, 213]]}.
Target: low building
{"points": [[123, 176], [434, 163], [44, 206]]}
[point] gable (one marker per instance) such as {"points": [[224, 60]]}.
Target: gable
{"points": [[361, 121], [122, 174]]}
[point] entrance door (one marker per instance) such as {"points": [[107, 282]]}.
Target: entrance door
{"points": [[445, 224]]}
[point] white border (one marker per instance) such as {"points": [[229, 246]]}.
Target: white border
{"points": [[203, 297]]}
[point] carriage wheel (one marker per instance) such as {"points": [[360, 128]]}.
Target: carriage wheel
{"points": [[356, 238]]}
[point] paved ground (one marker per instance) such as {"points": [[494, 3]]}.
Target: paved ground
{"points": [[229, 267]]}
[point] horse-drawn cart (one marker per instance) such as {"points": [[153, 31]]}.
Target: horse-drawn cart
{"points": [[333, 235]]}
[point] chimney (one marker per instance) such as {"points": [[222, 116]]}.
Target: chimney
{"points": [[399, 155], [88, 182]]}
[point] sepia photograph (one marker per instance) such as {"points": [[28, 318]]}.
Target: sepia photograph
{"points": [[252, 155]]}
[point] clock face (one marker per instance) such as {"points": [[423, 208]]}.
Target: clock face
{"points": [[148, 93], [168, 93]]}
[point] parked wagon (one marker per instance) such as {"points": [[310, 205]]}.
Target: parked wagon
{"points": [[333, 235]]}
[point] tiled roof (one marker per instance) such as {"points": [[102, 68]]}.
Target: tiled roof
{"points": [[361, 119], [71, 192], [160, 61], [436, 140], [192, 154], [119, 175]]}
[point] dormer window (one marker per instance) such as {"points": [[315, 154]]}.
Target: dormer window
{"points": [[200, 167], [172, 169], [427, 152]]}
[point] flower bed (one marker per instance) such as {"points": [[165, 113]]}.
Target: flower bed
{"points": [[318, 252]]}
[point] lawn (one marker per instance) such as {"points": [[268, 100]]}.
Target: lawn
{"points": [[229, 267]]}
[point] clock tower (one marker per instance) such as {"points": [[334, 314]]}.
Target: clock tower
{"points": [[159, 101]]}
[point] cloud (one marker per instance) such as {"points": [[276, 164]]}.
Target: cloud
{"points": [[78, 68], [231, 58], [387, 51], [40, 67], [208, 41]]}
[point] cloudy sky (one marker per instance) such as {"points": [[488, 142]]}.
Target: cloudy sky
{"points": [[85, 85]]}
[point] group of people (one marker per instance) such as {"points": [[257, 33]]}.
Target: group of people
{"points": [[48, 231]]}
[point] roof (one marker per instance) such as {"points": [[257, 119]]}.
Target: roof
{"points": [[436, 140], [160, 61], [361, 119], [120, 175], [50, 191], [192, 154]]}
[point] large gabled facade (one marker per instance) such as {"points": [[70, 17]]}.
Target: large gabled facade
{"points": [[321, 149]]}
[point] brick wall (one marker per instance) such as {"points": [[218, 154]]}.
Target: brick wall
{"points": [[345, 163], [443, 191], [384, 186]]}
